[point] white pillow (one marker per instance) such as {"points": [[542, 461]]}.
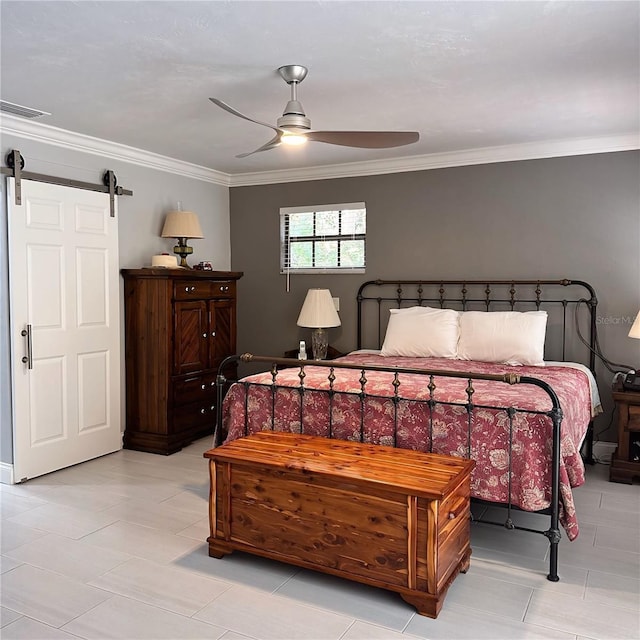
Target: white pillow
{"points": [[510, 337], [422, 332]]}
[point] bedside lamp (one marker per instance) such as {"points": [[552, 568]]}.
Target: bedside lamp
{"points": [[319, 313], [182, 225], [631, 382], [634, 332]]}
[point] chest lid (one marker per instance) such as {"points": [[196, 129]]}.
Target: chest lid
{"points": [[427, 475]]}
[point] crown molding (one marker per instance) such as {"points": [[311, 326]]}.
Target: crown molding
{"points": [[486, 155], [508, 153], [96, 146]]}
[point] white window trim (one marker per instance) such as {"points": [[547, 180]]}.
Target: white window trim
{"points": [[286, 270], [321, 270], [323, 207]]}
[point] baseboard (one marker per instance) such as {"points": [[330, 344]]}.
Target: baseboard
{"points": [[603, 451], [6, 473]]}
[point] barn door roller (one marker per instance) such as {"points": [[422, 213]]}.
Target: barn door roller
{"points": [[15, 166]]}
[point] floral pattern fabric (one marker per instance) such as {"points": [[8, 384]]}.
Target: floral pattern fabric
{"points": [[512, 449]]}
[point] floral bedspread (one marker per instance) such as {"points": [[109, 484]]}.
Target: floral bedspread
{"points": [[443, 429]]}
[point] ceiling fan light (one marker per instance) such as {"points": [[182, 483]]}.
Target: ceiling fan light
{"points": [[293, 139]]}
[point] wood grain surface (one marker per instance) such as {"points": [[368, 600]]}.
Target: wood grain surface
{"points": [[387, 517]]}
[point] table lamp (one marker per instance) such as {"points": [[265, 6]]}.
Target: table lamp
{"points": [[319, 313], [634, 332], [631, 381], [182, 225]]}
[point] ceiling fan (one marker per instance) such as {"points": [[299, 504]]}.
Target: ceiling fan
{"points": [[294, 128]]}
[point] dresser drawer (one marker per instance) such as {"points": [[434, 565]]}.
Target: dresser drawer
{"points": [[196, 290], [196, 414], [223, 289], [191, 289], [194, 389]]}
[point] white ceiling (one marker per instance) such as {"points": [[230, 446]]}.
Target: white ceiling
{"points": [[466, 75]]}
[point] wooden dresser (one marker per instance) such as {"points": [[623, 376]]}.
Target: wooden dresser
{"points": [[179, 325], [390, 518], [625, 466]]}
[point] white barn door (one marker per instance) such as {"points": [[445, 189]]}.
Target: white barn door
{"points": [[65, 321]]}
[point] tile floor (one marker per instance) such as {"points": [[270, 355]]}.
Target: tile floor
{"points": [[115, 548]]}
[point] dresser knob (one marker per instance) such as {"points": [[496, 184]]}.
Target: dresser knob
{"points": [[203, 410], [203, 387], [213, 384], [213, 407], [204, 335], [452, 515]]}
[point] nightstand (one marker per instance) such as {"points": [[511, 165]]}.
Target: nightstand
{"points": [[332, 353], [623, 467]]}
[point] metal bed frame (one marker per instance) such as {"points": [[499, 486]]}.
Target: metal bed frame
{"points": [[449, 294], [487, 295]]}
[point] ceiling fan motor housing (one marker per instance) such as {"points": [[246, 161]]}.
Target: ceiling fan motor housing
{"points": [[294, 117]]}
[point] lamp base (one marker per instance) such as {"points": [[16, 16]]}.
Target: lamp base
{"points": [[319, 343], [183, 251]]}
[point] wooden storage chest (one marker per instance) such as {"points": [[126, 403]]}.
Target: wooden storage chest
{"points": [[390, 518]]}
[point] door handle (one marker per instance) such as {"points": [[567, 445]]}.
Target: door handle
{"points": [[28, 359]]}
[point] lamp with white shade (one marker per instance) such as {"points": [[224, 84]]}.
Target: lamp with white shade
{"points": [[634, 332], [182, 225], [631, 382], [319, 313]]}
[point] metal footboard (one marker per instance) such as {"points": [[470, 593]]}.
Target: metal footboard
{"points": [[272, 387]]}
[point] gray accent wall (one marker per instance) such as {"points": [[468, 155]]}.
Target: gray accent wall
{"points": [[572, 217], [141, 217]]}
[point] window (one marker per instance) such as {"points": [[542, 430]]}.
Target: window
{"points": [[325, 238]]}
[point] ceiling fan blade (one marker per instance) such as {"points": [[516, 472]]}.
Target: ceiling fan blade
{"points": [[272, 144], [232, 111], [365, 139]]}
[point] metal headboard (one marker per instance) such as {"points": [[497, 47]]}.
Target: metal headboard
{"points": [[565, 300]]}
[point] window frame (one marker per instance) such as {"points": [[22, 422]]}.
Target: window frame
{"points": [[285, 240]]}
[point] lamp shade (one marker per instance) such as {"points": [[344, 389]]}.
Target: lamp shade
{"points": [[318, 310], [182, 224], [635, 327]]}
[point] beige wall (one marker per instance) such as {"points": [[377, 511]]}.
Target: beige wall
{"points": [[574, 217]]}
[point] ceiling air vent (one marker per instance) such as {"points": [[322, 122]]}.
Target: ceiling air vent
{"points": [[19, 110]]}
